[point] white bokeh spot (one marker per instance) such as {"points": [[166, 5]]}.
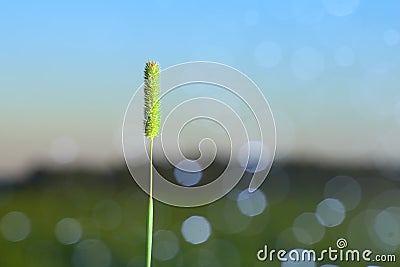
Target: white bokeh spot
{"points": [[15, 226], [196, 229], [307, 229], [165, 245], [295, 256], [251, 204], [330, 212], [68, 231], [187, 172]]}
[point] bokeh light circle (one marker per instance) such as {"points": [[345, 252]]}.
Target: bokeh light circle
{"points": [[307, 229], [15, 226], [226, 216], [68, 231], [330, 212], [387, 226], [165, 245], [251, 204], [295, 259], [345, 189], [91, 252], [196, 229], [185, 177]]}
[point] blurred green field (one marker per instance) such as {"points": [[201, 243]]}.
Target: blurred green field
{"points": [[111, 211]]}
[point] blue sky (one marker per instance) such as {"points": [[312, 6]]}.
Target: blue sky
{"points": [[330, 70]]}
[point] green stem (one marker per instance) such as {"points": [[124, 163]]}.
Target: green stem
{"points": [[150, 211]]}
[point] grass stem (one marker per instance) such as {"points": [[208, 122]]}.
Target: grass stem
{"points": [[150, 211]]}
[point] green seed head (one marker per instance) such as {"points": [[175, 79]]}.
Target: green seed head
{"points": [[152, 113]]}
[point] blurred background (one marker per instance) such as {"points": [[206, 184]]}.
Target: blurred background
{"points": [[330, 70]]}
